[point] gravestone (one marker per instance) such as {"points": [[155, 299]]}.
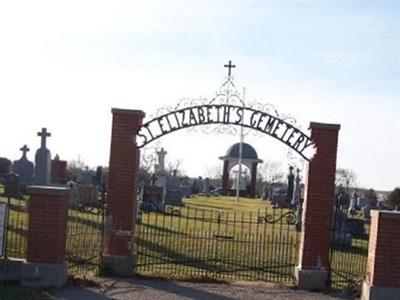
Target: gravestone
{"points": [[88, 194], [296, 201], [24, 168], [355, 227], [362, 201], [206, 186], [296, 190], [5, 166], [152, 198], [161, 176], [353, 204], [174, 197], [199, 184], [290, 188], [366, 212], [160, 167], [100, 176], [43, 160], [185, 190], [73, 194], [341, 234], [242, 180], [59, 173], [12, 186], [266, 191], [174, 193]]}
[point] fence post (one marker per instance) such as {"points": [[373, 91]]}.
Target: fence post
{"points": [[48, 213], [383, 264], [313, 270], [119, 249]]}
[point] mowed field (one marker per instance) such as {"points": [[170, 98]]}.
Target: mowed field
{"points": [[218, 237]]}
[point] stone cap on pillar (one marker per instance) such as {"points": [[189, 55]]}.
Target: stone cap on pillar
{"points": [[387, 214], [121, 111], [47, 190], [318, 125]]}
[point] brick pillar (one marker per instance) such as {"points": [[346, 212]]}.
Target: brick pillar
{"points": [[312, 272], [225, 178], [48, 213], [383, 265], [253, 180], [119, 247]]}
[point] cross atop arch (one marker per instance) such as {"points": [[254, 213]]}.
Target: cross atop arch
{"points": [[230, 67]]}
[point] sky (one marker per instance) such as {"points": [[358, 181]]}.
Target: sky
{"points": [[65, 64]]}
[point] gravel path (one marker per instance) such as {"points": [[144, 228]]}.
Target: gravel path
{"points": [[147, 289]]}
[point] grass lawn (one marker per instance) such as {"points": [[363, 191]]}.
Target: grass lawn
{"points": [[227, 204]]}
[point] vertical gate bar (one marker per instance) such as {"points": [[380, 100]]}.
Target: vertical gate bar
{"points": [[152, 237], [210, 246], [235, 244]]}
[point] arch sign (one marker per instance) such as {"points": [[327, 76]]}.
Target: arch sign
{"points": [[227, 114]]}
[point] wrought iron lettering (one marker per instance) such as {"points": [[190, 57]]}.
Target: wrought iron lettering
{"points": [[226, 114]]}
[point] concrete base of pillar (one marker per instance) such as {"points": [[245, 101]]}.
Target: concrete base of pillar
{"points": [[123, 266], [311, 280], [10, 269], [370, 292], [43, 275]]}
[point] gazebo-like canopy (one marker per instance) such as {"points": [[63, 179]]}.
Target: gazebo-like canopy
{"points": [[231, 159]]}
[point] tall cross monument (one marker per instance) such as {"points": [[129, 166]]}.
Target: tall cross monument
{"points": [[161, 160], [43, 160]]}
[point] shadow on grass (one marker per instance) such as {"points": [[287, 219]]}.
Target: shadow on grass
{"points": [[92, 223]]}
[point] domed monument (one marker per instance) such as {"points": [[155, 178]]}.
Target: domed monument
{"points": [[249, 159]]}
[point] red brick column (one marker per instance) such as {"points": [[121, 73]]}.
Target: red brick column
{"points": [[383, 265], [225, 178], [48, 213], [312, 271], [119, 247]]}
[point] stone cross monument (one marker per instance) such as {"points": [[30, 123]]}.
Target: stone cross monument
{"points": [[161, 161], [290, 188], [43, 160], [161, 180], [24, 168]]}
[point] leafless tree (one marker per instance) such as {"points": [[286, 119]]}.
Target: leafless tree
{"points": [[215, 171], [271, 171], [346, 178], [174, 166]]}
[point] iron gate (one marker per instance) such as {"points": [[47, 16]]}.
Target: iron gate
{"points": [[349, 251], [208, 244], [85, 231]]}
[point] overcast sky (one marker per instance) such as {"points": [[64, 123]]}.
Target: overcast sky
{"points": [[64, 65]]}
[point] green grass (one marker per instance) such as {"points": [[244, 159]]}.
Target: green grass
{"points": [[227, 204]]}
